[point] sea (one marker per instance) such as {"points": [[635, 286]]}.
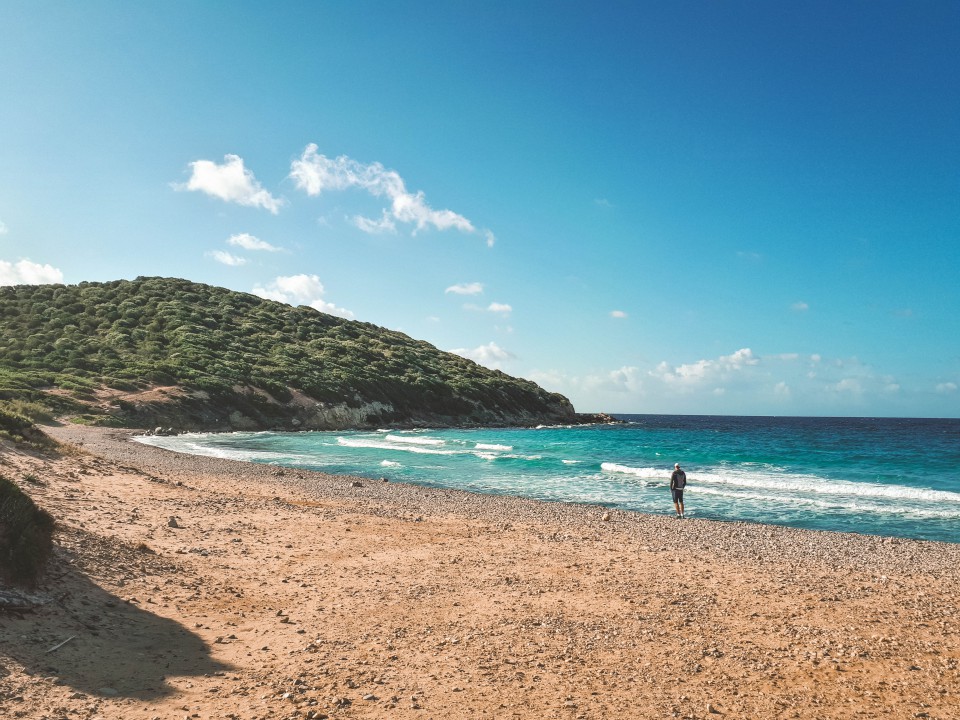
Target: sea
{"points": [[896, 477]]}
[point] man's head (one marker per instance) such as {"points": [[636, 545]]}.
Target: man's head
{"points": [[676, 466]]}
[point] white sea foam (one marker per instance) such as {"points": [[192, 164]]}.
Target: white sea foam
{"points": [[853, 505], [645, 472], [570, 462], [398, 447], [389, 463], [416, 440], [813, 484], [492, 446]]}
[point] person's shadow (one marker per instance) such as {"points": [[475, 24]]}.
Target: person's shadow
{"points": [[114, 648]]}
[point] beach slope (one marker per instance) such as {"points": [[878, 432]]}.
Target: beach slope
{"points": [[195, 587]]}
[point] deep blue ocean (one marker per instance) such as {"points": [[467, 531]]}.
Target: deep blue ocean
{"points": [[898, 477]]}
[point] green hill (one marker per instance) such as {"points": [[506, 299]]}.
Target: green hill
{"points": [[165, 351]]}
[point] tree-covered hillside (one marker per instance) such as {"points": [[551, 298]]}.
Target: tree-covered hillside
{"points": [[171, 351]]}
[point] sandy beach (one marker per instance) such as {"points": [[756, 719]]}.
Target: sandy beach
{"points": [[189, 587]]}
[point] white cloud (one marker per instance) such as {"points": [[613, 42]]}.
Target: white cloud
{"points": [[800, 306], [473, 288], [300, 290], [249, 242], [3, 228], [946, 388], [705, 372], [491, 238], [315, 173], [491, 355], [849, 385], [739, 359], [553, 380], [739, 383], [231, 182], [501, 308], [625, 379], [618, 314], [226, 258], [375, 227], [24, 272]]}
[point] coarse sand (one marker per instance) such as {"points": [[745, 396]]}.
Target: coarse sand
{"points": [[194, 587]]}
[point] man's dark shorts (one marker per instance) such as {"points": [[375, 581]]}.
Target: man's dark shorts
{"points": [[677, 495]]}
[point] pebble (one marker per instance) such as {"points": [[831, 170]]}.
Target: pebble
{"points": [[738, 541]]}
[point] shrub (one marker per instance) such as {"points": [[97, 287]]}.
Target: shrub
{"points": [[33, 411], [26, 535], [13, 424]]}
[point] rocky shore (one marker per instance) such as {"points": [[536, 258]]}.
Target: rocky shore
{"points": [[198, 587]]}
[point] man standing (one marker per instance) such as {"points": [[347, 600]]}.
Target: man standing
{"points": [[678, 481]]}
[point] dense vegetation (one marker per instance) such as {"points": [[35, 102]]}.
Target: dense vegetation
{"points": [[94, 349], [26, 535]]}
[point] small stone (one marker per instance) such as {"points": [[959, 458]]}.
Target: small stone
{"points": [[172, 522], [356, 483], [606, 517]]}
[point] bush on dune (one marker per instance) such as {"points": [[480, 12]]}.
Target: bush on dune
{"points": [[26, 535], [15, 425]]}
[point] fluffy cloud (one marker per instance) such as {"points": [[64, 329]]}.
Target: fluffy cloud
{"points": [[231, 182], [800, 306], [249, 242], [624, 380], [849, 385], [491, 355], [501, 308], [705, 371], [226, 258], [315, 174], [946, 388], [24, 272], [620, 314], [3, 228], [473, 288], [300, 290], [741, 382], [375, 227]]}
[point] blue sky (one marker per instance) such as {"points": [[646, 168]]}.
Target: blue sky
{"points": [[665, 207]]}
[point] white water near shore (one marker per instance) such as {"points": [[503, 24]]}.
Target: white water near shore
{"points": [[759, 474]]}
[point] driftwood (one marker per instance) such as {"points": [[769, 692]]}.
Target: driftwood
{"points": [[16, 601], [60, 645]]}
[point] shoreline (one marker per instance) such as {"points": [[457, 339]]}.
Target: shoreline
{"points": [[788, 532], [291, 592]]}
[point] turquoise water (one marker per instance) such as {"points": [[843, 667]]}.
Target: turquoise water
{"points": [[897, 477]]}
